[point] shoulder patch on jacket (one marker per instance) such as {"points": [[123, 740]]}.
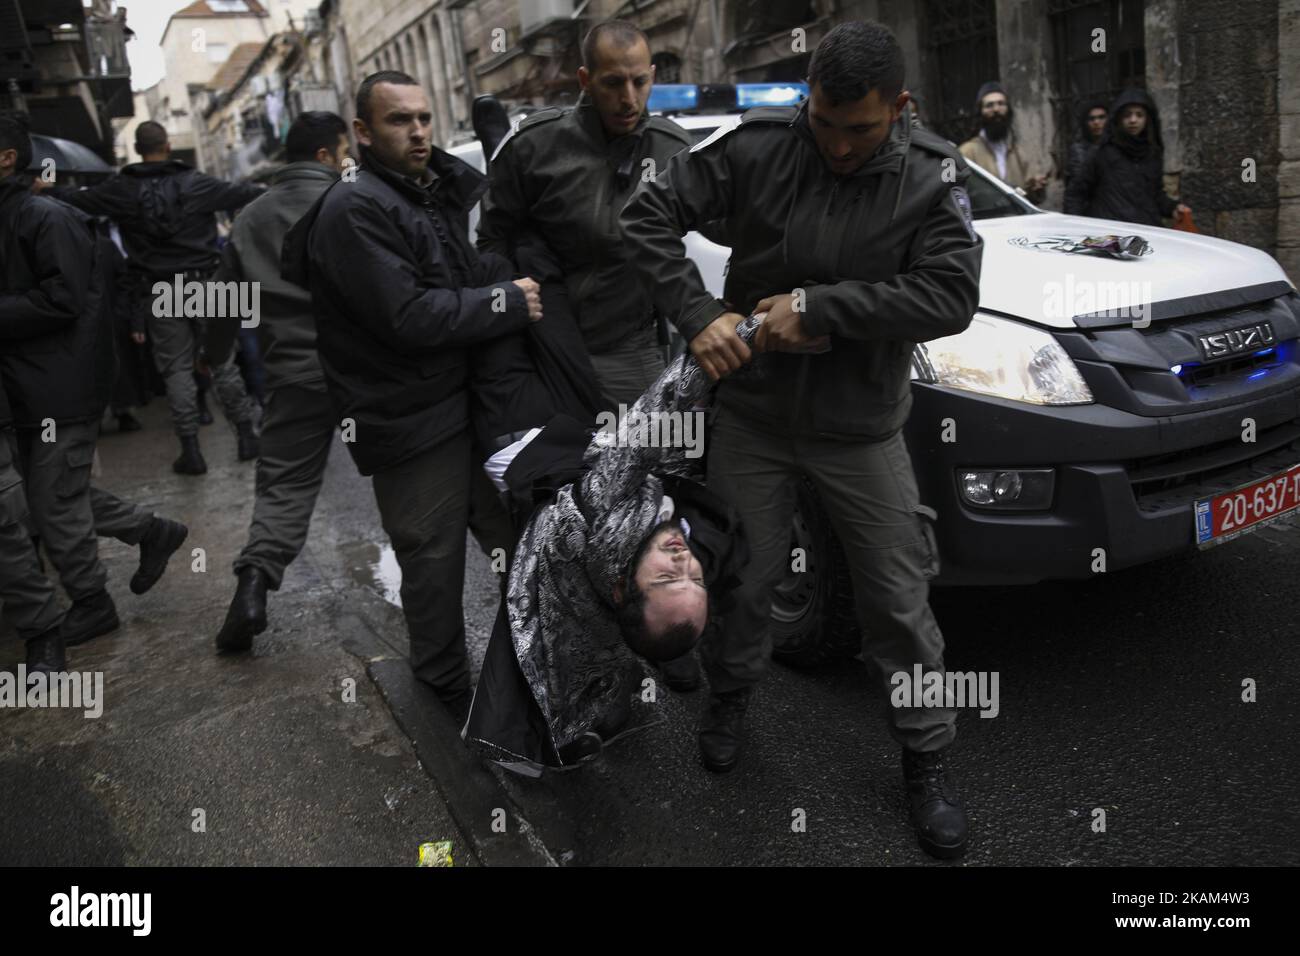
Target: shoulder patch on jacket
{"points": [[962, 201]]}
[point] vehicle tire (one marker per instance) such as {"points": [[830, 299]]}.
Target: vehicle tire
{"points": [[813, 618]]}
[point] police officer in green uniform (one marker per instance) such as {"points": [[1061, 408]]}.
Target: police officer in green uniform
{"points": [[558, 184], [563, 177], [852, 232]]}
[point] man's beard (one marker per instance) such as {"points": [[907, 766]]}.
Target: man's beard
{"points": [[996, 127]]}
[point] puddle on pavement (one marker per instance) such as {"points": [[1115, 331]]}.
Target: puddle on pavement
{"points": [[375, 566]]}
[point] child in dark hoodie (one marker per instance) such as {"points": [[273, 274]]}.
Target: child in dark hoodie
{"points": [[1123, 177]]}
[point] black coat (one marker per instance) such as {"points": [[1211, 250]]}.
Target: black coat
{"points": [[1124, 178], [400, 298], [54, 322], [506, 723], [165, 212]]}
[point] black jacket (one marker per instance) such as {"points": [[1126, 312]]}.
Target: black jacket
{"points": [[54, 326], [286, 331], [400, 298], [559, 178], [1123, 178], [165, 212], [887, 257]]}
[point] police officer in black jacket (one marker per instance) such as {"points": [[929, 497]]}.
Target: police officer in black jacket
{"points": [[852, 232], [164, 209], [401, 297]]}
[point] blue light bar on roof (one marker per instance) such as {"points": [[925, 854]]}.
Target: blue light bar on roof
{"points": [[749, 95], [673, 97]]}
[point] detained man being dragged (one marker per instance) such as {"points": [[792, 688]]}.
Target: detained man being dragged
{"points": [[623, 554]]}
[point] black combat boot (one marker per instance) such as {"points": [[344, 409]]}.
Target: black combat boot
{"points": [[45, 652], [156, 547], [249, 444], [722, 731], [191, 460], [89, 617], [247, 614], [938, 813]]}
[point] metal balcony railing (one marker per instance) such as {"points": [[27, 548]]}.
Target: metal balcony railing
{"points": [[106, 49]]}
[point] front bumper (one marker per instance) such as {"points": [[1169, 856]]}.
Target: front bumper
{"points": [[1125, 483]]}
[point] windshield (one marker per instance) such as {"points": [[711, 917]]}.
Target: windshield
{"points": [[989, 202], [986, 200]]}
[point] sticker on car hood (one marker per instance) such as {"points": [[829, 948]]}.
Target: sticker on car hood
{"points": [[1112, 247]]}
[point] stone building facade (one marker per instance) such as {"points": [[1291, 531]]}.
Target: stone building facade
{"points": [[1226, 76]]}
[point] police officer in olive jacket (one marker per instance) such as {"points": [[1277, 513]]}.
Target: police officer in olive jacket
{"points": [[56, 361], [852, 232], [401, 297], [28, 596], [165, 210], [563, 178], [557, 187], [300, 425]]}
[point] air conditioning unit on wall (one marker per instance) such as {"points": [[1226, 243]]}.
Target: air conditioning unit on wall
{"points": [[534, 14]]}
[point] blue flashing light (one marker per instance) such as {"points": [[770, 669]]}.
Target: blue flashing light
{"points": [[673, 97], [1264, 352], [749, 95], [1260, 374]]}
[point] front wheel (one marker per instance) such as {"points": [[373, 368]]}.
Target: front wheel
{"points": [[813, 617]]}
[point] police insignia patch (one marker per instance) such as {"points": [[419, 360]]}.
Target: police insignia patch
{"points": [[962, 202]]}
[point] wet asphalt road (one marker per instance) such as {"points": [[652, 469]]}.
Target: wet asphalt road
{"points": [[1122, 693]]}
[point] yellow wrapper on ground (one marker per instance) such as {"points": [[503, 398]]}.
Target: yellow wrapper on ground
{"points": [[436, 854]]}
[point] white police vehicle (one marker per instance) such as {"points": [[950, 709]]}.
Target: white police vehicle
{"points": [[1105, 408]]}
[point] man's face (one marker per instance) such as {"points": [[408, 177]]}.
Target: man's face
{"points": [[335, 159], [1133, 119], [672, 580], [619, 85], [1096, 122], [399, 128], [849, 133], [995, 115], [8, 162]]}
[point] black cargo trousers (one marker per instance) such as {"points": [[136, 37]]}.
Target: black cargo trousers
{"points": [[870, 493]]}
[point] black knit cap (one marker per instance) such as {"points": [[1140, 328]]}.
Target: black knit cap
{"points": [[992, 86]]}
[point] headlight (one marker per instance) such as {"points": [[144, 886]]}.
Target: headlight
{"points": [[1004, 359]]}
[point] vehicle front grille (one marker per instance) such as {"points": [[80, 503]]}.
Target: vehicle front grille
{"points": [[1208, 464]]}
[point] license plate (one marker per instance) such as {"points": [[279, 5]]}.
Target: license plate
{"points": [[1243, 509]]}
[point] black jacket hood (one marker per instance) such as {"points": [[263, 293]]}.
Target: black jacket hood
{"points": [[1151, 135]]}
